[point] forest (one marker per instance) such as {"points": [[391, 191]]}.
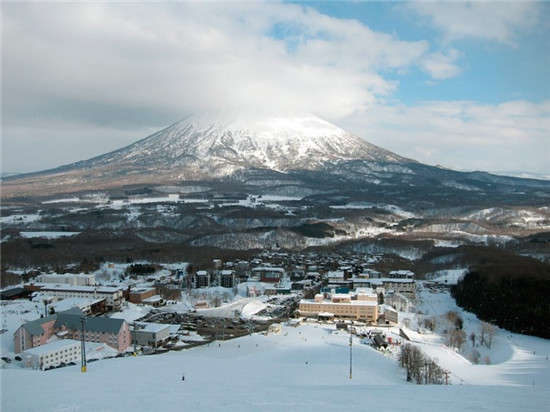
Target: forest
{"points": [[511, 294]]}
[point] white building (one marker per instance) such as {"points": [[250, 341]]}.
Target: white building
{"points": [[75, 279], [52, 354], [407, 286], [150, 333], [113, 296], [85, 305]]}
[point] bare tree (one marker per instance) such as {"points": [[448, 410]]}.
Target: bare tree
{"points": [[487, 333], [456, 338], [473, 338], [419, 368], [455, 319]]}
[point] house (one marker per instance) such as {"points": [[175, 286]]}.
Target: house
{"points": [[389, 315], [138, 295], [154, 301], [53, 354], [269, 274], [338, 279], [401, 274], [67, 324]]}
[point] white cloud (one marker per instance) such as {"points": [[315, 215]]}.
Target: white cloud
{"points": [[81, 79], [500, 21], [442, 65], [192, 56], [467, 135], [129, 67]]}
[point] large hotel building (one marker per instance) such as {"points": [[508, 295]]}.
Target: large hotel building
{"points": [[362, 306]]}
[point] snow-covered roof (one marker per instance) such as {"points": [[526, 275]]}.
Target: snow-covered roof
{"points": [[69, 303], [52, 347], [351, 302], [268, 269], [98, 289], [152, 299], [151, 327]]}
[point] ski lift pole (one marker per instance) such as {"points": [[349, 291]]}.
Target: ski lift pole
{"points": [[83, 344]]}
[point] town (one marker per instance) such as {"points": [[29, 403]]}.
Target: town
{"points": [[144, 308]]}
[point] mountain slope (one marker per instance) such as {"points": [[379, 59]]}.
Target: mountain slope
{"points": [[224, 144], [206, 147], [275, 150]]}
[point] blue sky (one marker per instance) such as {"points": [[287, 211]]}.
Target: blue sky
{"points": [[492, 72], [461, 84]]}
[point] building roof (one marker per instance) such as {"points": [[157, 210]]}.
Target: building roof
{"points": [[141, 290], [71, 288], [51, 347], [380, 281], [70, 303], [8, 293], [152, 299], [97, 324], [34, 327], [268, 269], [351, 302], [151, 327]]}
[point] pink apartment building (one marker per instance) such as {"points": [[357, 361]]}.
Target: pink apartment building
{"points": [[113, 332]]}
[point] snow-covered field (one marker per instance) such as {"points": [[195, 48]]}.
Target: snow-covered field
{"points": [[48, 235], [20, 218], [304, 368], [513, 359]]}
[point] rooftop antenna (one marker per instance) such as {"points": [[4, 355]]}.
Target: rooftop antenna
{"points": [[83, 344]]}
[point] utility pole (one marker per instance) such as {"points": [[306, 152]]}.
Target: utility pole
{"points": [[350, 351], [134, 338], [83, 344], [46, 301]]}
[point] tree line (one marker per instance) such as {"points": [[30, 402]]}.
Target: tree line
{"points": [[514, 298]]}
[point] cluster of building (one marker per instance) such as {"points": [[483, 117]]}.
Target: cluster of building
{"points": [[56, 339], [334, 286]]}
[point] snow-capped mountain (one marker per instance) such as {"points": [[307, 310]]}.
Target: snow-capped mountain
{"points": [[214, 146], [267, 150]]}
